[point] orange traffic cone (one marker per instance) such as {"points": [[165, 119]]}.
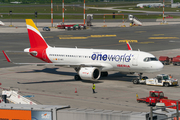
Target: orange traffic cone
{"points": [[75, 90]]}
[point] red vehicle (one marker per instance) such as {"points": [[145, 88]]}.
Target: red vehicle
{"points": [[71, 26], [176, 60], [169, 102], [154, 97], [165, 60]]}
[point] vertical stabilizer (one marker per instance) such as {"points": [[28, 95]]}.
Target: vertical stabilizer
{"points": [[128, 45], [35, 38]]}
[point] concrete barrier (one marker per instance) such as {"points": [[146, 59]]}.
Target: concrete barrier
{"points": [[92, 114]]}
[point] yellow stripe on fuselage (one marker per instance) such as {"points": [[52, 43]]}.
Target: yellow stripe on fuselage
{"points": [[31, 23]]}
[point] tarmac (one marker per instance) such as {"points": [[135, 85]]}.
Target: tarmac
{"points": [[53, 85], [20, 27]]}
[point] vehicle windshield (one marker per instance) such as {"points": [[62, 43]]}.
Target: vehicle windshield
{"points": [[153, 94], [165, 77], [147, 59]]}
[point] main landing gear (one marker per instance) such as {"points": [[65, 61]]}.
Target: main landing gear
{"points": [[136, 80]]}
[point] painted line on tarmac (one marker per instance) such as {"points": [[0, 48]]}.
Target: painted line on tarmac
{"points": [[92, 36], [140, 31], [129, 41], [102, 36], [49, 37], [136, 41], [158, 34], [174, 41], [145, 42], [73, 37], [163, 38]]}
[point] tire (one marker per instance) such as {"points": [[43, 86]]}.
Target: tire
{"points": [[135, 81], [138, 101], [77, 77], [166, 84]]}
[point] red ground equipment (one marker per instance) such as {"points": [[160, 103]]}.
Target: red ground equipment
{"points": [[169, 102], [154, 97], [71, 26], [165, 60], [176, 60]]}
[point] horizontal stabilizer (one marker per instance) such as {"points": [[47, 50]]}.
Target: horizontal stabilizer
{"points": [[6, 56]]}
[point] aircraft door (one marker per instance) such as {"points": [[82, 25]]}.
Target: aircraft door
{"points": [[135, 59]]}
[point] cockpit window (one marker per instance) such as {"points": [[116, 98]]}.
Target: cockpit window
{"points": [[147, 59]]}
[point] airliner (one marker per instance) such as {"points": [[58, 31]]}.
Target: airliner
{"points": [[90, 64], [1, 23]]}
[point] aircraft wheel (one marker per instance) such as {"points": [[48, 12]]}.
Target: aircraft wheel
{"points": [[135, 81]]}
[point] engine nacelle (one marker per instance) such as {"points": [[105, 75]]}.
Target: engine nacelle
{"points": [[89, 73]]}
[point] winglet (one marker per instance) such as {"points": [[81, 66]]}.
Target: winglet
{"points": [[7, 58], [128, 45]]}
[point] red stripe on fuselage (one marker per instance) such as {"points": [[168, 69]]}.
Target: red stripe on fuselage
{"points": [[41, 54]]}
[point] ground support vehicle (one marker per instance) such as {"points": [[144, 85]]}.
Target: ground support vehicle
{"points": [[159, 80], [71, 26], [162, 80], [169, 102], [141, 81], [176, 60], [154, 97], [46, 29], [165, 60]]}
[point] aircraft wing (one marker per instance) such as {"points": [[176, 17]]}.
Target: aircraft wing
{"points": [[56, 64]]}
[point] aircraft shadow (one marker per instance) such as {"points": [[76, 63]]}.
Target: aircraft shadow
{"points": [[119, 77], [115, 77], [51, 71], [50, 81]]}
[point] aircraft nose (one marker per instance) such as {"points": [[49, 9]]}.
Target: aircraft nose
{"points": [[159, 66]]}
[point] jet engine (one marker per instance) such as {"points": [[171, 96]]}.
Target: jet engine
{"points": [[89, 73]]}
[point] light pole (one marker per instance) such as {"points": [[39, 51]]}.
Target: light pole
{"points": [[10, 13], [51, 13], [163, 11], [84, 13], [35, 13]]}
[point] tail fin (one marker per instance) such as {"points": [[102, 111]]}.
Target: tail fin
{"points": [[128, 45], [35, 38]]}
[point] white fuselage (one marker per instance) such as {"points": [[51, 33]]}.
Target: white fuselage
{"points": [[111, 60]]}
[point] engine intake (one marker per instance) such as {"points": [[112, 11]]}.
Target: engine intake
{"points": [[89, 73]]}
